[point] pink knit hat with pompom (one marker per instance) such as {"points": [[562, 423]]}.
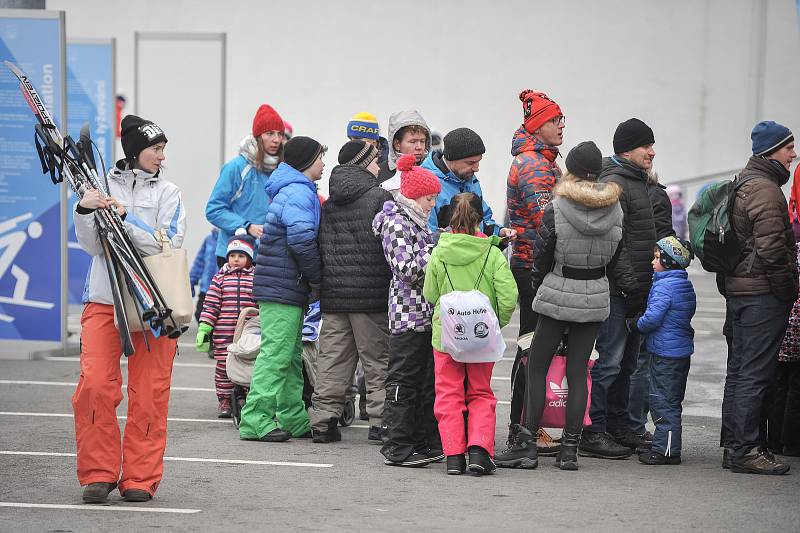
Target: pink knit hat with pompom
{"points": [[416, 181]]}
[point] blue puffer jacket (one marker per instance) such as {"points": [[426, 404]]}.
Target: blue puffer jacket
{"points": [[205, 266], [236, 201], [288, 257], [452, 185], [667, 322]]}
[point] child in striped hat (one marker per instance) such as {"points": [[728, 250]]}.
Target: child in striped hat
{"points": [[230, 291]]}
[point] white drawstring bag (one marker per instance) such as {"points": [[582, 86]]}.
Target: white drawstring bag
{"points": [[470, 328]]}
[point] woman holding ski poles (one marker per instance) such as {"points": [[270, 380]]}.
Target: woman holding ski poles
{"points": [[147, 204]]}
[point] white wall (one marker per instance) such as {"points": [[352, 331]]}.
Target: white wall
{"points": [[692, 69]]}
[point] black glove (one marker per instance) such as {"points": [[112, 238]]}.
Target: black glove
{"points": [[631, 323], [633, 305], [314, 294]]}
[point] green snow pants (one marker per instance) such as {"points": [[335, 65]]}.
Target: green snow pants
{"points": [[275, 399]]}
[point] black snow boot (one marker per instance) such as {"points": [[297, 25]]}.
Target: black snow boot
{"points": [[98, 492], [331, 434], [480, 462], [568, 454], [521, 451]]}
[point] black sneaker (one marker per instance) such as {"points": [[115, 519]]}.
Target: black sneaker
{"points": [[602, 446], [456, 465], [480, 462], [521, 451], [759, 462], [331, 434], [98, 492], [276, 435], [434, 456], [630, 439], [415, 460], [375, 435], [655, 458]]}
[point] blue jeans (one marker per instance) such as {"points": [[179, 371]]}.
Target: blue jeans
{"points": [[759, 325], [638, 404], [667, 388], [618, 349]]}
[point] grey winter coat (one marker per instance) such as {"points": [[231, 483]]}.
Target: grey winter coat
{"points": [[581, 230]]}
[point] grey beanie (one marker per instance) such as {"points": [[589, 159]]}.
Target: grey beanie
{"points": [[462, 143]]}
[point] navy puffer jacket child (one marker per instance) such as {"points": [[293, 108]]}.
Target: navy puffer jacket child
{"points": [[667, 322], [288, 258]]}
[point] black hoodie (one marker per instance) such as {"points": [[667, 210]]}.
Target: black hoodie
{"points": [[355, 276]]}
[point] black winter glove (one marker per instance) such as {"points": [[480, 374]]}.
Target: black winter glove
{"points": [[631, 323], [633, 305]]}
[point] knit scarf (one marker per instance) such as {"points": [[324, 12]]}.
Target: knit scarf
{"points": [[248, 148], [413, 209]]}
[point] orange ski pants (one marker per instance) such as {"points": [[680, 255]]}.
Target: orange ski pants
{"points": [[140, 454]]}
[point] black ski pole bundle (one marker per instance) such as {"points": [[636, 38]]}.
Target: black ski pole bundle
{"points": [[62, 157]]}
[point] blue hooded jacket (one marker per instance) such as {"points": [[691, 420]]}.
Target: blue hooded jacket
{"points": [[205, 263], [288, 258], [452, 185], [237, 200], [667, 322]]}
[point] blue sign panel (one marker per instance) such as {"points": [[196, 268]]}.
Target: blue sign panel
{"points": [[90, 99], [31, 269]]}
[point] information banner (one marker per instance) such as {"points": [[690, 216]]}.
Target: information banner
{"points": [[90, 99], [32, 213]]}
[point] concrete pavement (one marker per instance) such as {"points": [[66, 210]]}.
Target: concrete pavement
{"points": [[215, 482]]}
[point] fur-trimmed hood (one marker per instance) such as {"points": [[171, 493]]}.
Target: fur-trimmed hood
{"points": [[592, 194], [590, 207]]}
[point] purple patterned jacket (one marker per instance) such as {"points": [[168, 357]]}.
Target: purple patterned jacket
{"points": [[407, 248]]}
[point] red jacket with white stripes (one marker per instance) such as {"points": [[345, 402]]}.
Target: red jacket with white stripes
{"points": [[231, 290]]}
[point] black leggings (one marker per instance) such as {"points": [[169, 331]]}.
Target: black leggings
{"points": [[580, 341]]}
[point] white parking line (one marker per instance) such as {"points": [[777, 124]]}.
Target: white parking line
{"points": [[121, 417], [185, 459], [123, 508], [69, 384]]}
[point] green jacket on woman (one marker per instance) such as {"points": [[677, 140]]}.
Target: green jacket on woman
{"points": [[464, 256]]}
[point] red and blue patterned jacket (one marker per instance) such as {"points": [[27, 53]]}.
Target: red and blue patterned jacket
{"points": [[531, 179]]}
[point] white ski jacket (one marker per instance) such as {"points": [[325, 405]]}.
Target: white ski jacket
{"points": [[151, 204]]}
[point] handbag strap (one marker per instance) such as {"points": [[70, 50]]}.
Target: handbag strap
{"points": [[163, 239]]}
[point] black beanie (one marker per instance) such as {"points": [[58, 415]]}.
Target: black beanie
{"points": [[357, 153], [138, 134], [585, 161], [462, 143], [301, 152], [632, 134]]}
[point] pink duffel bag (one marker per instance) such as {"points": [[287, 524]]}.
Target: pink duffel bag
{"points": [[555, 401]]}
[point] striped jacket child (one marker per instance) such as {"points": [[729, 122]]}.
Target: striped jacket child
{"points": [[230, 291]]}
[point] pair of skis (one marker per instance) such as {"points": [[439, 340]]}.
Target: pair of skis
{"points": [[62, 157]]}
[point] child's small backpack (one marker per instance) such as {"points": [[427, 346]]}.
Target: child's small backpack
{"points": [[713, 239], [470, 328]]}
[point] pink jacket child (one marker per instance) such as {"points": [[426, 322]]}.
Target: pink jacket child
{"points": [[230, 291]]}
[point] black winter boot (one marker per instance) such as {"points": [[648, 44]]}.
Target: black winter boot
{"points": [[480, 462], [568, 454], [331, 434], [521, 451]]}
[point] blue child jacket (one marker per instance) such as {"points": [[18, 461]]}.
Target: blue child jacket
{"points": [[288, 258], [667, 322]]}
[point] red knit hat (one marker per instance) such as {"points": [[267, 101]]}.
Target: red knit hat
{"points": [[538, 109], [266, 119], [416, 181]]}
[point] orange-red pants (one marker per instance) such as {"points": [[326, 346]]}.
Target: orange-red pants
{"points": [[140, 454]]}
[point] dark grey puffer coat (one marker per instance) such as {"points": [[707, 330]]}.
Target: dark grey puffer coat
{"points": [[581, 229]]}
